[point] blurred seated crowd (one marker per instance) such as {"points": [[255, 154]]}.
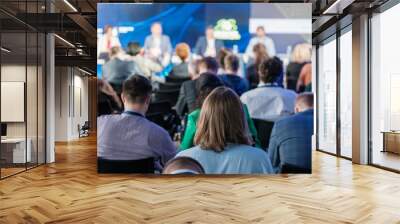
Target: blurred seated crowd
{"points": [[203, 117]]}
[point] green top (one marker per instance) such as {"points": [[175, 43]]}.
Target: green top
{"points": [[188, 137]]}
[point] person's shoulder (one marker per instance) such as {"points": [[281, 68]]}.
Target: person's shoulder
{"points": [[108, 117], [292, 120], [251, 93], [194, 113], [155, 128], [250, 150], [190, 152], [188, 83], [289, 92]]}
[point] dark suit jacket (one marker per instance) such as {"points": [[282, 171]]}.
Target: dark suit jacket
{"points": [[201, 46], [290, 141], [187, 98]]}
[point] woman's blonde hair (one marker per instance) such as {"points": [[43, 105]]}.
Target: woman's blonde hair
{"points": [[301, 53], [222, 121], [183, 51]]}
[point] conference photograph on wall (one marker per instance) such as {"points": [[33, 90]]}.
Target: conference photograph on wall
{"points": [[204, 88]]}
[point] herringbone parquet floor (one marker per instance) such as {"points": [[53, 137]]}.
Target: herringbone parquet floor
{"points": [[70, 191]]}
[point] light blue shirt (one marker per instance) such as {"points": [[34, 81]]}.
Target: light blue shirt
{"points": [[235, 159], [269, 103]]}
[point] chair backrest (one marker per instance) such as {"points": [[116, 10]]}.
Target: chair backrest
{"points": [[169, 86], [264, 129], [125, 166], [289, 168], [176, 79], [159, 107], [167, 95]]}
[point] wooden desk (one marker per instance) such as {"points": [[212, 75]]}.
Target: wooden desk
{"points": [[391, 141], [16, 147]]}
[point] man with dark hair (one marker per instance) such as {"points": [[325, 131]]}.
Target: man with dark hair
{"points": [[116, 70], [207, 45], [290, 143], [269, 101], [147, 66], [188, 93], [130, 136], [231, 79]]}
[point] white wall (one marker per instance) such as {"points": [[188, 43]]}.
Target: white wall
{"points": [[71, 102]]}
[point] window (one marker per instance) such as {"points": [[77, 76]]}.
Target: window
{"points": [[346, 94], [327, 96], [385, 89]]}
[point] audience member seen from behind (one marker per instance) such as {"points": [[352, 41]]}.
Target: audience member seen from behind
{"points": [[223, 145], [188, 94], [118, 69], [231, 78], [130, 136], [262, 38], [208, 46], [147, 66], [183, 165], [158, 46], [269, 101], [299, 57], [204, 86], [305, 79], [108, 101], [181, 70], [221, 60], [290, 142], [260, 54]]}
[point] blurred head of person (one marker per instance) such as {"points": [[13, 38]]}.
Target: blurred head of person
{"points": [[270, 70], [231, 62], [108, 30], [222, 53], [210, 32], [260, 53], [182, 51], [116, 51], [208, 64], [136, 94], [156, 29], [183, 165], [304, 101], [221, 121], [194, 69], [205, 84], [134, 48], [301, 53], [260, 31]]}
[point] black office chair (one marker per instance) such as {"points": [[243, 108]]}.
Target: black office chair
{"points": [[289, 168], [159, 107], [264, 129], [125, 166], [170, 86], [84, 129], [167, 95], [175, 79]]}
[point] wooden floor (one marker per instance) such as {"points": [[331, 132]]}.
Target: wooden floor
{"points": [[70, 191]]}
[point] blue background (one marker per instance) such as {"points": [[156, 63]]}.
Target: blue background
{"points": [[185, 22]]}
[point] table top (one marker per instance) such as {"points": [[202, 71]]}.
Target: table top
{"points": [[13, 140], [391, 132]]}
